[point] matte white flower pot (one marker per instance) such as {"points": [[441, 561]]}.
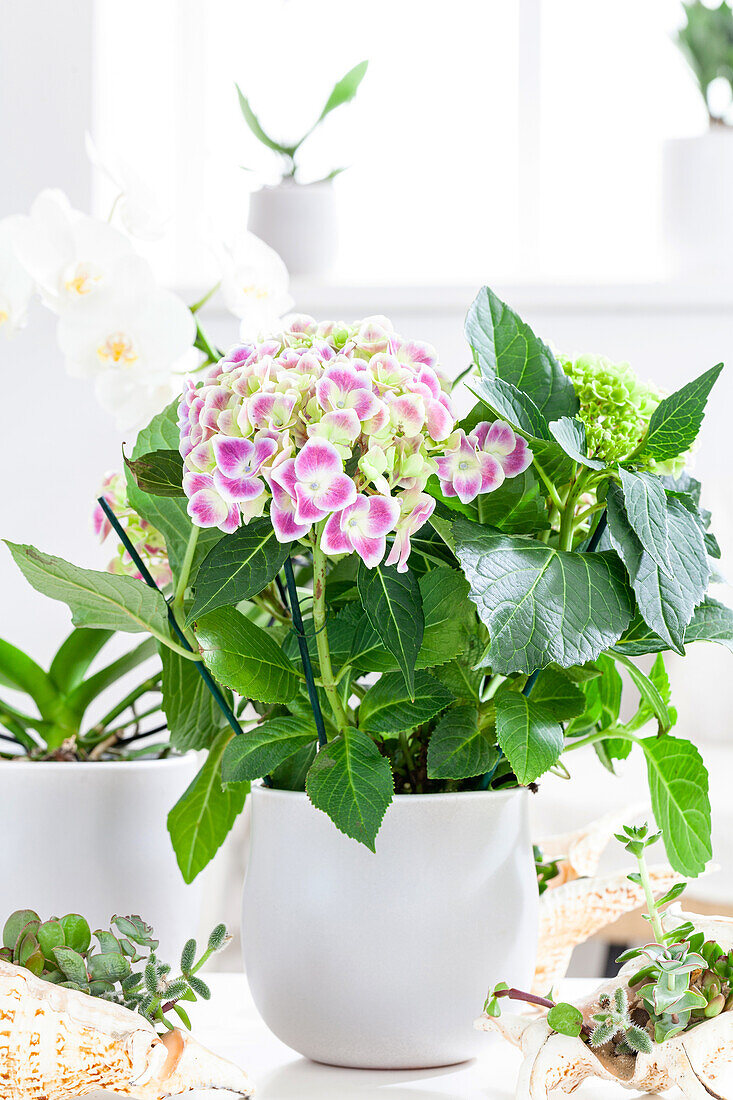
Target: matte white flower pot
{"points": [[698, 208], [92, 839], [384, 961], [299, 221]]}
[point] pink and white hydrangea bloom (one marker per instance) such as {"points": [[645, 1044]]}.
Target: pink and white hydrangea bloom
{"points": [[479, 462], [337, 429], [148, 541]]}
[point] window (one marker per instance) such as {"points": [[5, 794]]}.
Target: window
{"points": [[497, 139]]}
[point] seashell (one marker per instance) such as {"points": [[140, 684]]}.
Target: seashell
{"points": [[572, 913], [57, 1043], [699, 1062]]}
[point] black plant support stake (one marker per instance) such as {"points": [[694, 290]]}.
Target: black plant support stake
{"points": [[532, 679], [144, 572], [304, 654]]}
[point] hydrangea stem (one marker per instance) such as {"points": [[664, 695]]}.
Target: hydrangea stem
{"points": [[319, 624]]}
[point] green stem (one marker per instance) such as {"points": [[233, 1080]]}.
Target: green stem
{"points": [[407, 752], [601, 735], [495, 684], [549, 485], [185, 573], [651, 906], [319, 625]]}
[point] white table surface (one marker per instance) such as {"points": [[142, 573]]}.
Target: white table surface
{"points": [[230, 1025]]}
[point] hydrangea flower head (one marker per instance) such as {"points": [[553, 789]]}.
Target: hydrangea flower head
{"points": [[328, 425], [148, 541]]}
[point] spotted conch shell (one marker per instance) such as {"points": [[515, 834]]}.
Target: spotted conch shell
{"points": [[577, 903], [58, 1043], [699, 1062]]}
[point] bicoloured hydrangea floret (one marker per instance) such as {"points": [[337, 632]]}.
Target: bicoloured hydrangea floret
{"points": [[148, 541], [330, 425], [480, 461]]}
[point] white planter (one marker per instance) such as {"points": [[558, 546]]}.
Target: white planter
{"points": [[92, 839], [383, 961], [299, 221], [698, 204]]}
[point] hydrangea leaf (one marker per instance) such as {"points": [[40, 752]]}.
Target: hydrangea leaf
{"points": [[238, 567], [512, 405], [666, 601], [459, 748], [352, 782], [96, 599], [529, 734], [542, 605], [645, 502], [393, 604], [193, 717], [678, 784], [517, 507], [558, 694], [257, 751], [245, 658], [711, 621], [505, 345], [677, 419], [159, 473], [570, 434], [388, 706], [204, 814]]}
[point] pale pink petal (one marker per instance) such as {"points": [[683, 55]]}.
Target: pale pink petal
{"points": [[371, 551], [492, 472], [306, 511], [235, 489], [440, 422], [333, 539], [196, 483], [519, 460], [233, 456], [207, 509], [283, 476], [284, 523], [467, 484], [500, 439], [407, 413], [383, 514], [318, 458]]}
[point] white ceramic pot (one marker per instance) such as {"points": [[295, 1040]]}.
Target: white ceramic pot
{"points": [[384, 961], [698, 208], [299, 221], [92, 839]]}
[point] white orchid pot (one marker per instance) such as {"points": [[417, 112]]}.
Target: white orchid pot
{"points": [[91, 838], [299, 221], [698, 209], [383, 960]]}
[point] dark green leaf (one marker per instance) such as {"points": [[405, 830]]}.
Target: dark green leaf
{"points": [[352, 782], [460, 678], [108, 967], [291, 774], [20, 672], [570, 434], [346, 88], [458, 748], [678, 783], [393, 605], [666, 602], [712, 621], [72, 964], [258, 750], [645, 502], [77, 933], [96, 599], [245, 658], [192, 714], [50, 934], [506, 346], [201, 819], [531, 738], [512, 405], [388, 706], [558, 694], [238, 567], [649, 693], [541, 605], [676, 420], [159, 473]]}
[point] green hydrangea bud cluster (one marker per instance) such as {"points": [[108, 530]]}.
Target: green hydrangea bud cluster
{"points": [[615, 405]]}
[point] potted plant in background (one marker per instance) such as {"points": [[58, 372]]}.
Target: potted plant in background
{"points": [[414, 690], [299, 219], [698, 169], [89, 751]]}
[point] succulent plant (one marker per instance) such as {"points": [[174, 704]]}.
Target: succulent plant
{"points": [[123, 968]]}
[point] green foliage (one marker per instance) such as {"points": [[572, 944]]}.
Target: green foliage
{"points": [[566, 1019], [677, 419], [352, 782], [123, 969], [201, 819], [390, 707], [678, 784], [238, 567], [570, 434], [343, 92], [244, 657], [259, 750], [529, 735], [159, 473], [707, 44], [194, 718], [459, 747], [393, 604]]}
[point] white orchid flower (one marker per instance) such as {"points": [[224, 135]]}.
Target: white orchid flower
{"points": [[129, 339], [16, 285], [68, 255], [136, 204], [255, 285]]}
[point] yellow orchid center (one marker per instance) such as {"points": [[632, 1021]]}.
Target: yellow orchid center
{"points": [[118, 350], [259, 292], [81, 280], [4, 316]]}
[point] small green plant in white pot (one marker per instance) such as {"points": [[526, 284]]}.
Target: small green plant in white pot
{"points": [[698, 167], [298, 219]]}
